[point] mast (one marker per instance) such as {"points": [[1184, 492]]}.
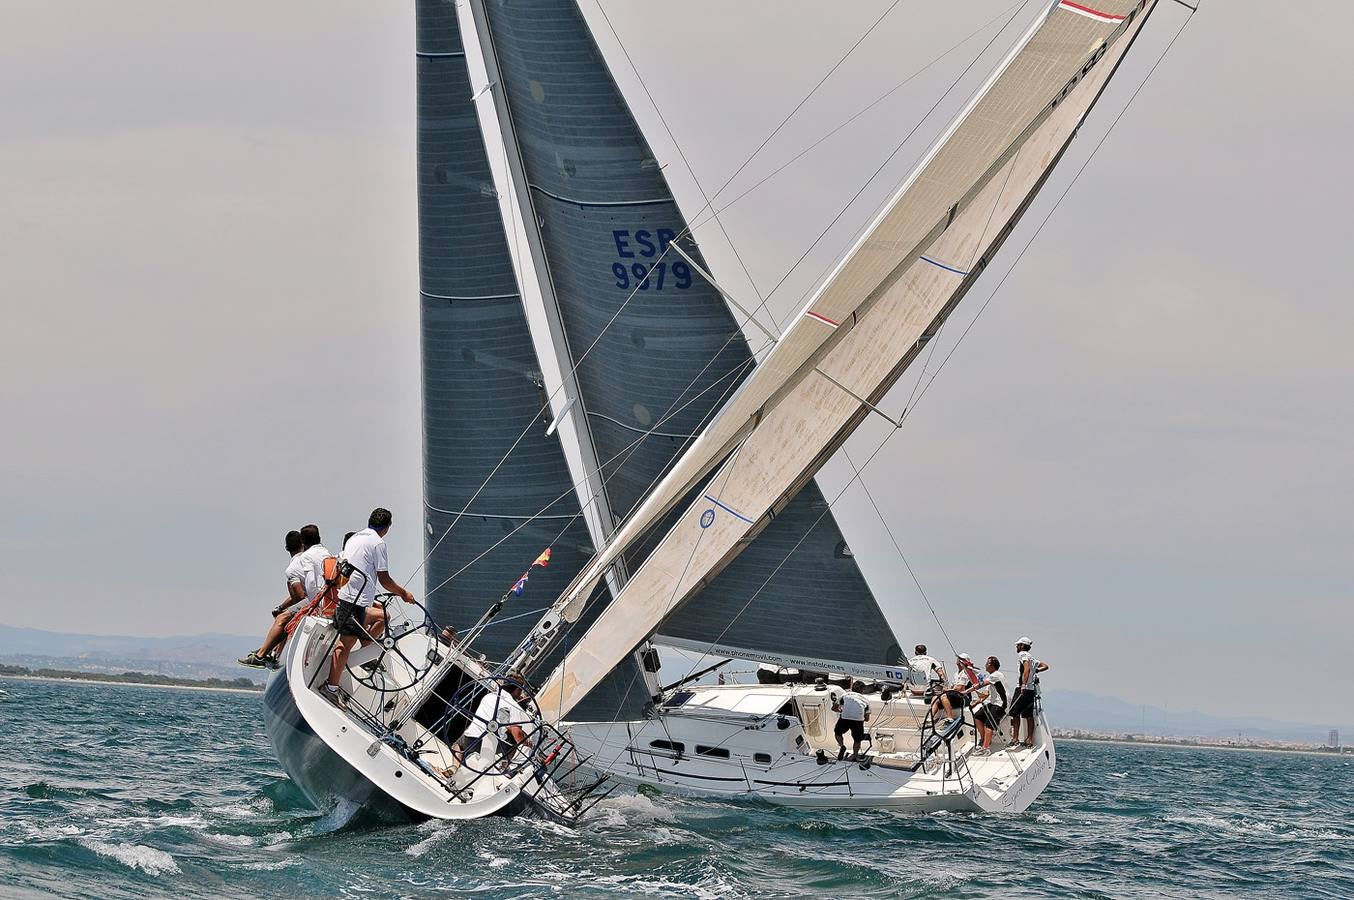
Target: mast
{"points": [[641, 351], [914, 263], [541, 303]]}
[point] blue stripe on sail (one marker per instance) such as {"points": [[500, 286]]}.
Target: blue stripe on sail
{"points": [[941, 265], [729, 509]]}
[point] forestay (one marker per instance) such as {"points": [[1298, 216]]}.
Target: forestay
{"points": [[861, 329]]}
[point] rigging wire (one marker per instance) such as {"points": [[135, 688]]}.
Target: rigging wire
{"points": [[709, 203], [687, 232], [992, 295]]}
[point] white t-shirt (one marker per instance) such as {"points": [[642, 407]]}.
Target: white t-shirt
{"points": [[495, 712], [853, 706], [314, 559], [925, 669], [962, 680], [988, 692], [366, 551], [298, 571], [1033, 677]]}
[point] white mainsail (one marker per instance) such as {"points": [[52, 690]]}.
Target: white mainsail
{"points": [[858, 333]]}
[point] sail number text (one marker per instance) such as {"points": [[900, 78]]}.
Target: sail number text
{"points": [[641, 244]]}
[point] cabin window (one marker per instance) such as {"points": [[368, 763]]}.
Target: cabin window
{"points": [[716, 752], [763, 758], [676, 747]]}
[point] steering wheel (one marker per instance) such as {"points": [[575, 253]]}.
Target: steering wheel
{"points": [[367, 674]]}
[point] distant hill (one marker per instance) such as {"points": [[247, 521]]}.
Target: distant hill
{"points": [[1091, 712], [190, 656]]}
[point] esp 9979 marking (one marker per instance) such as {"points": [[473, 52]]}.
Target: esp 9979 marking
{"points": [[644, 244]]}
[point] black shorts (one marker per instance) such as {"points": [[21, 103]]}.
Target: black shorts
{"points": [[990, 716], [855, 726], [1022, 707], [957, 700], [350, 620]]}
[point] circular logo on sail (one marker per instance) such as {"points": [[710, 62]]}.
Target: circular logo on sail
{"points": [[707, 518]]}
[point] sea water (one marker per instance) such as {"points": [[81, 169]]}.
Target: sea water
{"points": [[115, 791]]}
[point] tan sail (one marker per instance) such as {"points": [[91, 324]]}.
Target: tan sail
{"points": [[860, 331]]}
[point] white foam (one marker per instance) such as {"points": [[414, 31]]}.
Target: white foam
{"points": [[50, 832], [631, 809], [136, 856], [438, 829], [1257, 828], [237, 840], [1046, 819]]}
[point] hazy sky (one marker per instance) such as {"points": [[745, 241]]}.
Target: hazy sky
{"points": [[1142, 453]]}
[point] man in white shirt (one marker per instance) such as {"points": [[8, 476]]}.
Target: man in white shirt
{"points": [[991, 693], [501, 714], [927, 675], [296, 593], [356, 618], [1022, 704], [314, 554], [853, 712], [966, 676]]}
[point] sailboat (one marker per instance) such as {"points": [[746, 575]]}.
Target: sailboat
{"points": [[588, 387]]}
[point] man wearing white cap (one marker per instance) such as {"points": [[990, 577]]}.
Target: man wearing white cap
{"points": [[1022, 706], [955, 697]]}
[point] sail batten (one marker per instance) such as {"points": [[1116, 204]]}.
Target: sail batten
{"points": [[862, 327]]}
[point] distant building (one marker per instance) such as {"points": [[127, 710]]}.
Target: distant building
{"points": [[1333, 739]]}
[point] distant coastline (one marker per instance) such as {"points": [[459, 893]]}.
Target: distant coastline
{"points": [[132, 679], [1199, 744]]}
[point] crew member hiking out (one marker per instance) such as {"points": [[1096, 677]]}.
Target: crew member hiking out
{"points": [[1027, 690], [356, 619], [854, 712], [296, 593], [314, 554]]}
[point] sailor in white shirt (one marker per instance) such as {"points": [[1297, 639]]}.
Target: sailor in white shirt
{"points": [[502, 715], [356, 619], [927, 675], [992, 694], [313, 557], [296, 593], [1027, 689], [966, 676], [854, 712]]}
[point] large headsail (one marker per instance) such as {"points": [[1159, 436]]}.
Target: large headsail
{"points": [[649, 346], [481, 380], [861, 329]]}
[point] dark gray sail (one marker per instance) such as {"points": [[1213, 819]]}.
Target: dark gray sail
{"points": [[656, 348], [482, 384]]}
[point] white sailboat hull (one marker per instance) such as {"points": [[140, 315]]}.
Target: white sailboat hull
{"points": [[338, 757], [712, 747]]}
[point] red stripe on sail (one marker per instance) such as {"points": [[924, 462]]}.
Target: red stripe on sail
{"points": [[1089, 12], [824, 319]]}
